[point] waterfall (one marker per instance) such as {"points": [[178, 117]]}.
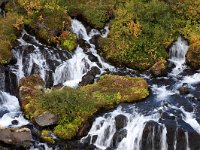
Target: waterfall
{"points": [[149, 124], [9, 111], [155, 124], [70, 72], [177, 55]]}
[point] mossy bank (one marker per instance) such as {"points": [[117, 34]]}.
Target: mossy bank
{"points": [[74, 107]]}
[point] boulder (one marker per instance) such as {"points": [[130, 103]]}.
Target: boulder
{"points": [[118, 137], [89, 77], [91, 57], [184, 89], [120, 121], [16, 136], [159, 68], [46, 119]]}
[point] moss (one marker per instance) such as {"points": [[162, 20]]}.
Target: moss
{"points": [[7, 36], [96, 13], [46, 136], [106, 93], [193, 54]]}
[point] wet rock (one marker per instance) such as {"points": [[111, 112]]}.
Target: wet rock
{"points": [[165, 115], [84, 45], [2, 78], [159, 68], [91, 57], [118, 137], [3, 111], [46, 119], [15, 122], [11, 82], [120, 121], [89, 77], [184, 89], [16, 136]]}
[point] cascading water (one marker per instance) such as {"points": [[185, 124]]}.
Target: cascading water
{"points": [[165, 121], [160, 121], [10, 111], [71, 71]]}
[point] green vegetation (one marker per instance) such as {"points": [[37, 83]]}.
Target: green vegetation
{"points": [[140, 30], [8, 35], [74, 107], [46, 136]]}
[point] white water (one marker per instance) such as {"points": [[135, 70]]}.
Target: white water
{"points": [[11, 105], [177, 55], [137, 120], [71, 72]]}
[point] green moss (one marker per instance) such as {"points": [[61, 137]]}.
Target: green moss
{"points": [[75, 106], [46, 136], [96, 13], [7, 37]]}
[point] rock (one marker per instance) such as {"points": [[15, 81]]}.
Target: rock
{"points": [[91, 57], [16, 136], [2, 78], [89, 77], [15, 122], [165, 115], [120, 121], [118, 137], [159, 68], [46, 119], [184, 89]]}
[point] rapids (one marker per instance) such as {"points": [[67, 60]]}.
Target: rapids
{"points": [[165, 121]]}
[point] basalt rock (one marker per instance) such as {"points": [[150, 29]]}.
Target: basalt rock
{"points": [[16, 136], [120, 121], [184, 89], [118, 137], [89, 77], [46, 119]]}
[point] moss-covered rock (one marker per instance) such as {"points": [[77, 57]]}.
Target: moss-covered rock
{"points": [[53, 27], [106, 93], [46, 135], [193, 54], [30, 88]]}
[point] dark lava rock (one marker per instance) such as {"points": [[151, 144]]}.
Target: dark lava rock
{"points": [[46, 119], [184, 89], [165, 115], [89, 77], [2, 78], [91, 57], [3, 110], [16, 136], [15, 122], [118, 137], [120, 121], [152, 137]]}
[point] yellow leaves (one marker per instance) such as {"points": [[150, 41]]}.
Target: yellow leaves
{"points": [[19, 23], [30, 6], [135, 28]]}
